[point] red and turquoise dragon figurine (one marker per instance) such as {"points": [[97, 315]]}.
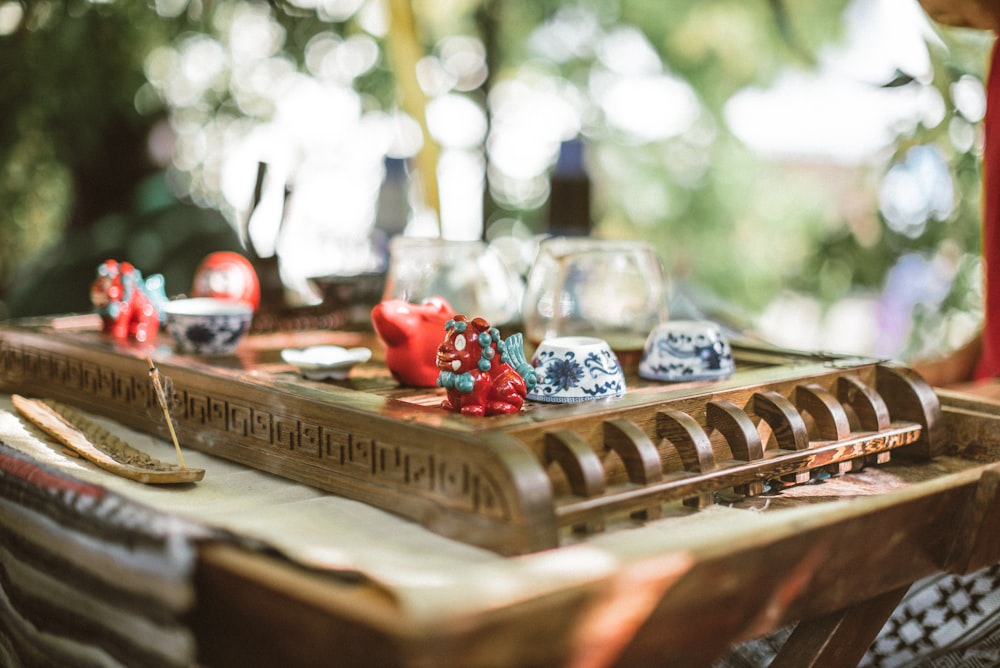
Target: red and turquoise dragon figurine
{"points": [[482, 373]]}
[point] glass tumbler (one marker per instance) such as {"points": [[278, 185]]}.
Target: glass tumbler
{"points": [[470, 275], [610, 289]]}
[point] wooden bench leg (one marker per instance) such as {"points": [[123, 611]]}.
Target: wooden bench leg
{"points": [[839, 639]]}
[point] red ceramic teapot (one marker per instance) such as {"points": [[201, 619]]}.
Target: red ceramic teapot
{"points": [[411, 334]]}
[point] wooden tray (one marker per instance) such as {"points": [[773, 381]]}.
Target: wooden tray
{"points": [[512, 484]]}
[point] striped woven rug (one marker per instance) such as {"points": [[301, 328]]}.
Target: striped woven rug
{"points": [[68, 546]]}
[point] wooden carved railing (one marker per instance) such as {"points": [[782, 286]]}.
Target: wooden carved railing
{"points": [[742, 439], [516, 483]]}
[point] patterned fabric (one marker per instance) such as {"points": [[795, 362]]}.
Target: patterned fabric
{"points": [[70, 546], [945, 621]]}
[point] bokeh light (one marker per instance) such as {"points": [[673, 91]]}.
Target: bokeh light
{"points": [[771, 165]]}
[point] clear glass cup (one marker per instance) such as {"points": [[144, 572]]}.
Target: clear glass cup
{"points": [[470, 275], [610, 289]]}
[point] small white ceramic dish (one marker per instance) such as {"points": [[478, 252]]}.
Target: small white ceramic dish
{"points": [[325, 362], [683, 350], [207, 325], [576, 368]]}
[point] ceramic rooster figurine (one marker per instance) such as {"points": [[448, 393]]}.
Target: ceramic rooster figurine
{"points": [[482, 373]]}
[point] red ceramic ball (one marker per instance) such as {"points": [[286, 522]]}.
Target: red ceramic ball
{"points": [[227, 275]]}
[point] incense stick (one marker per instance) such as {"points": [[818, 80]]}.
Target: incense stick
{"points": [[154, 375]]}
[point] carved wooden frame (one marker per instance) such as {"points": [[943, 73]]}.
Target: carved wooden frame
{"points": [[512, 484]]}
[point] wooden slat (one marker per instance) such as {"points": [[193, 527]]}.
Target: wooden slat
{"points": [[582, 468], [741, 435], [640, 456], [868, 405], [777, 411], [829, 415], [910, 398], [692, 443], [838, 639], [787, 425], [675, 487]]}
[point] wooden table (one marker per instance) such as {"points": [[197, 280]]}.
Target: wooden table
{"points": [[838, 568], [835, 556]]}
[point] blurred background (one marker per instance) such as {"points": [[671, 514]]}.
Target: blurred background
{"points": [[806, 170]]}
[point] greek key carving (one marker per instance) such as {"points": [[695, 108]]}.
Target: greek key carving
{"points": [[196, 408], [454, 482], [333, 445], [310, 438], [238, 419], [358, 453], [74, 375], [419, 470], [392, 464], [488, 497], [260, 426], [286, 432], [125, 389], [90, 378]]}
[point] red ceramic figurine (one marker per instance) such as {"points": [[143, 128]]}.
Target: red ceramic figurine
{"points": [[227, 275], [127, 304], [411, 334], [483, 374]]}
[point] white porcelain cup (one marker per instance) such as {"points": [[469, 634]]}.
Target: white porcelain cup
{"points": [[576, 368], [207, 325], [472, 276], [682, 350]]}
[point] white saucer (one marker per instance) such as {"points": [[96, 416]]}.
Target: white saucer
{"points": [[323, 362]]}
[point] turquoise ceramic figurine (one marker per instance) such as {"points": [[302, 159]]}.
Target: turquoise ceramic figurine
{"points": [[482, 373], [129, 305]]}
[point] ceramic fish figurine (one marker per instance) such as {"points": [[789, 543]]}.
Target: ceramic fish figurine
{"points": [[482, 373], [129, 305], [411, 334]]}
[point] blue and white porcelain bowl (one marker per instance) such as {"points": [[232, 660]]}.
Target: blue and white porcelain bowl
{"points": [[682, 350], [207, 325], [576, 368]]}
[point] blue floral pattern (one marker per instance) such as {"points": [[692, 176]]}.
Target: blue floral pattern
{"points": [[562, 374], [210, 336], [681, 356], [566, 379]]}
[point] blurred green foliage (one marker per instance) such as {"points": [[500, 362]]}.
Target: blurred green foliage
{"points": [[942, 318], [72, 146], [78, 111]]}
